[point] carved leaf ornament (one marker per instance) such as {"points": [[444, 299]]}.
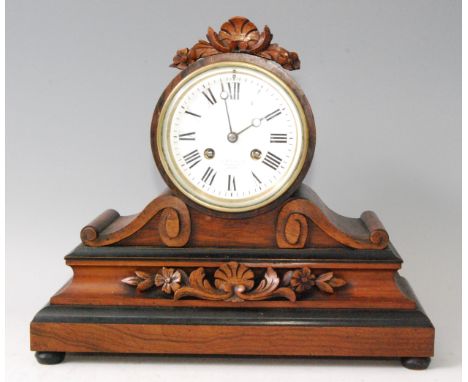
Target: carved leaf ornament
{"points": [[235, 282], [238, 34]]}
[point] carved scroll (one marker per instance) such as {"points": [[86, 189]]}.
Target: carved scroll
{"points": [[295, 231], [235, 282], [110, 228], [366, 232], [238, 34]]}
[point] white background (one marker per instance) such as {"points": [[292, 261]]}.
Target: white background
{"points": [[383, 78]]}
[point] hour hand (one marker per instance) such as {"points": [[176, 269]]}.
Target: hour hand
{"points": [[256, 122]]}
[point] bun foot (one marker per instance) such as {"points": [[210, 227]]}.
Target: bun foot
{"points": [[49, 358], [416, 363]]}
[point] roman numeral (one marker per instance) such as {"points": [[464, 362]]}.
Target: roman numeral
{"points": [[256, 178], [194, 114], [272, 161], [187, 136], [234, 88], [210, 97], [192, 158], [273, 114], [278, 138], [209, 175], [231, 183]]}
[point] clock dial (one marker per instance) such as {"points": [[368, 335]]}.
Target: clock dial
{"points": [[232, 137]]}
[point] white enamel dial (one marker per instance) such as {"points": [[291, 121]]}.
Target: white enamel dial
{"points": [[232, 137]]}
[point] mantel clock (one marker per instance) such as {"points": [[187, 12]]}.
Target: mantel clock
{"points": [[238, 257]]}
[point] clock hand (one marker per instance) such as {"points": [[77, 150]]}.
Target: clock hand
{"points": [[256, 122], [224, 97]]}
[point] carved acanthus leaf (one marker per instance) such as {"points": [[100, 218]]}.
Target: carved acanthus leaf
{"points": [[235, 282], [288, 60], [238, 34]]}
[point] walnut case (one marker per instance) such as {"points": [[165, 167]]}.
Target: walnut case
{"points": [[294, 279]]}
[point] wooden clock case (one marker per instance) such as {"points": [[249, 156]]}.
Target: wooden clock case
{"points": [[292, 279]]}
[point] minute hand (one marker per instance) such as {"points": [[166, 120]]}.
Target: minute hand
{"points": [[228, 117], [224, 97]]}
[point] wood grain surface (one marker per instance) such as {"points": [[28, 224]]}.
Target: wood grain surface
{"points": [[99, 282], [245, 340]]}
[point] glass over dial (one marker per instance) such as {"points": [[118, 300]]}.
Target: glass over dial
{"points": [[232, 137]]}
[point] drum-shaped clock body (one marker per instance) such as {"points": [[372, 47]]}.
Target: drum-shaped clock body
{"points": [[233, 134]]}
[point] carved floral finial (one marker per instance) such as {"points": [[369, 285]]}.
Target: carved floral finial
{"points": [[238, 34]]}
